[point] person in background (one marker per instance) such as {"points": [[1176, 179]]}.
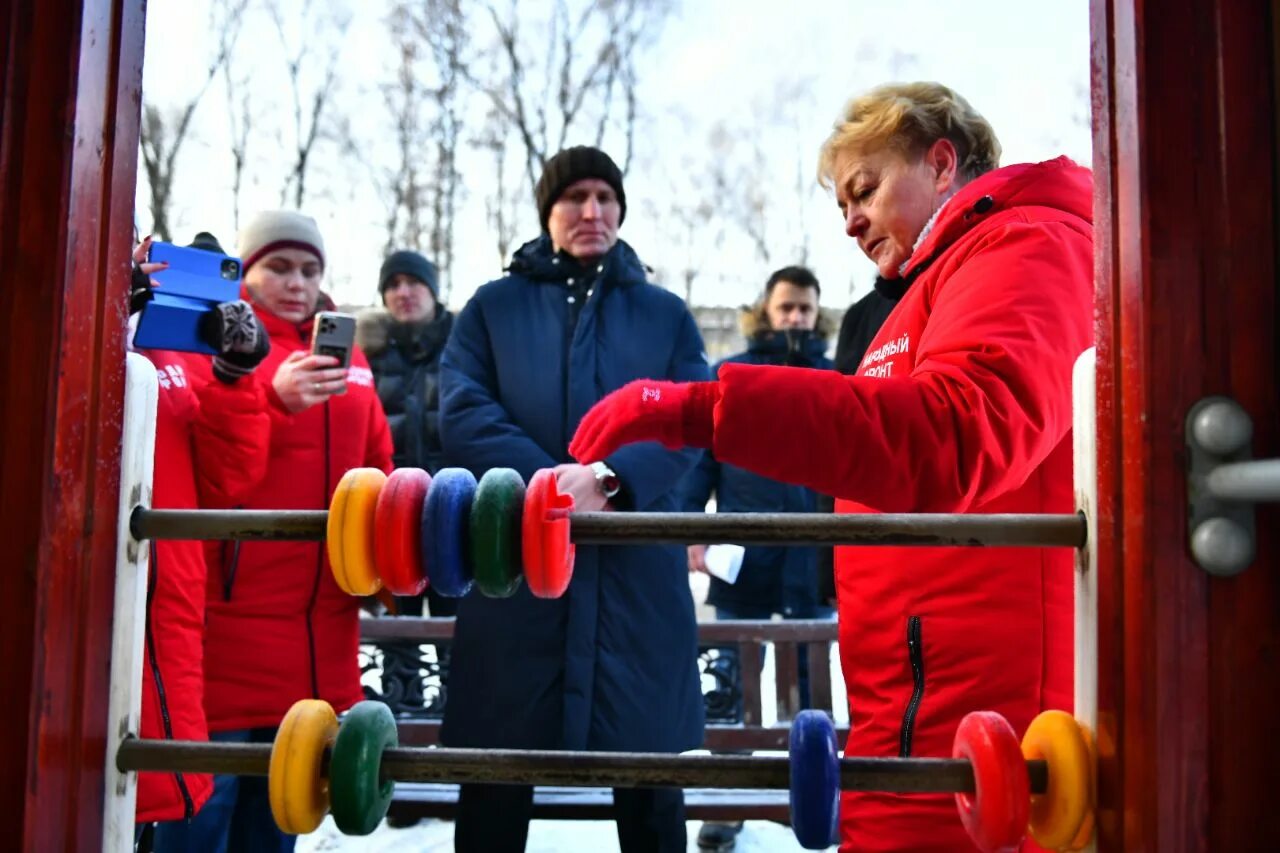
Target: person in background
{"points": [[962, 404], [210, 450], [782, 328], [278, 628], [403, 341], [611, 664]]}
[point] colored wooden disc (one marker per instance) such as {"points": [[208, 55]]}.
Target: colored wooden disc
{"points": [[398, 522], [445, 519], [548, 553], [496, 521], [350, 531]]}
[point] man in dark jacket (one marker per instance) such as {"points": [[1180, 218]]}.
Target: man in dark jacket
{"points": [[612, 664], [782, 329], [403, 341]]}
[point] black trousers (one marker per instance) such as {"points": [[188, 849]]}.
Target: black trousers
{"points": [[495, 819]]}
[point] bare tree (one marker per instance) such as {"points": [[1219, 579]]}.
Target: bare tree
{"points": [[499, 205], [312, 88], [588, 65], [164, 132], [240, 126]]}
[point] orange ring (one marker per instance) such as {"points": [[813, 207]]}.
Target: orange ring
{"points": [[1058, 814], [350, 531], [297, 791]]}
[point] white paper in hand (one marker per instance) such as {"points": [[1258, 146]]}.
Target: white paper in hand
{"points": [[725, 561]]}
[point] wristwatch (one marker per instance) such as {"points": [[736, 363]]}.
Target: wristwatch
{"points": [[606, 480]]}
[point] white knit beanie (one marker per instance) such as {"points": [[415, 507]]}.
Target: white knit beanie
{"points": [[279, 229]]}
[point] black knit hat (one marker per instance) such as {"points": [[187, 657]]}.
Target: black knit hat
{"points": [[206, 241], [574, 164], [411, 264]]}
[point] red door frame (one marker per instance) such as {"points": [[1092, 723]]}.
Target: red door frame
{"points": [[72, 77], [1185, 171], [1185, 165]]}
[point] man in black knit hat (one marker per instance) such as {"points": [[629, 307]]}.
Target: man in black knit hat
{"points": [[612, 663]]}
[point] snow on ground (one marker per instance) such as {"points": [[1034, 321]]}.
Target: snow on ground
{"points": [[545, 836]]}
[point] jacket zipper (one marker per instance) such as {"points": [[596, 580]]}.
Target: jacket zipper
{"points": [[188, 805], [315, 585], [915, 652], [229, 567]]}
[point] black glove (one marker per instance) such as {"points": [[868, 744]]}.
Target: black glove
{"points": [[139, 290], [238, 336]]}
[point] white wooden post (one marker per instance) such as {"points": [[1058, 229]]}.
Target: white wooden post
{"points": [[137, 459], [1085, 454]]}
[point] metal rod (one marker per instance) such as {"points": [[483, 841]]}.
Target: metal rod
{"points": [[1029, 531], [579, 769], [1251, 481]]}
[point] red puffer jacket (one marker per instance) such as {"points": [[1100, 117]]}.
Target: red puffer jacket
{"points": [[211, 447], [961, 405], [279, 629]]}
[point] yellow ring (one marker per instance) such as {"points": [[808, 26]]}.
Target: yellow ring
{"points": [[350, 531], [299, 794], [1058, 814], [1085, 835]]}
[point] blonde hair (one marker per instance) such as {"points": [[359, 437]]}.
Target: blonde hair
{"points": [[908, 118]]}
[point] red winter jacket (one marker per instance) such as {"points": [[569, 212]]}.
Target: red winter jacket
{"points": [[279, 629], [962, 404], [211, 446]]}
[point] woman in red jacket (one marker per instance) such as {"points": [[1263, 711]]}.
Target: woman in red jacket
{"points": [[211, 448], [961, 404], [278, 628]]}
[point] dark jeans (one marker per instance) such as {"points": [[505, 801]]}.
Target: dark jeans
{"points": [[236, 818], [495, 819], [730, 654]]}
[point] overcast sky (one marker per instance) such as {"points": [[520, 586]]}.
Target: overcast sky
{"points": [[776, 73]]}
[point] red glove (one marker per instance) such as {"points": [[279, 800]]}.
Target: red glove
{"points": [[677, 414]]}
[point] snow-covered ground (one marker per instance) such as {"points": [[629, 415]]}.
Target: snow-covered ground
{"points": [[545, 836]]}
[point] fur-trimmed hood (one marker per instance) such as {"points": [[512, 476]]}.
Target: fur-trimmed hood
{"points": [[753, 321]]}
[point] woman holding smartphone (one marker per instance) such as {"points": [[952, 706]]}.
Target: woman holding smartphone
{"points": [[278, 627]]}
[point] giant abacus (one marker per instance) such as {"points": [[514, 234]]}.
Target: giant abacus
{"points": [[408, 530]]}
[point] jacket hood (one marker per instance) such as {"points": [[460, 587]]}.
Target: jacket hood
{"points": [[376, 328], [539, 260], [1060, 184]]}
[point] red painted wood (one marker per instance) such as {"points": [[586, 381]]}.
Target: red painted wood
{"points": [[1185, 160], [67, 171]]}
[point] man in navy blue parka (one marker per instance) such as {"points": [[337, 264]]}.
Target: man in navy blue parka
{"points": [[612, 665]]}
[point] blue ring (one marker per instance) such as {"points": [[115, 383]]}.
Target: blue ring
{"points": [[446, 515], [815, 780]]}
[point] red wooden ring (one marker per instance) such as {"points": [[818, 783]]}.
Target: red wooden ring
{"points": [[996, 814], [547, 551], [397, 542]]}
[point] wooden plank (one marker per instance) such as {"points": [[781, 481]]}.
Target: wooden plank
{"points": [[820, 675], [787, 679], [420, 800], [132, 562], [709, 633], [749, 674]]}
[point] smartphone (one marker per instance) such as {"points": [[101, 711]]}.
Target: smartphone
{"points": [[197, 273], [334, 334], [195, 281]]}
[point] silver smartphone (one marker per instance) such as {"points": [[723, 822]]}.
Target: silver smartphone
{"points": [[334, 333]]}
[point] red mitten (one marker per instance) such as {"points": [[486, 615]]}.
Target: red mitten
{"points": [[677, 414]]}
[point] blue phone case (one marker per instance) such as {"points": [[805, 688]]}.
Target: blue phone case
{"points": [[195, 281]]}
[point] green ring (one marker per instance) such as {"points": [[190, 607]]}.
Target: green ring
{"points": [[496, 513], [359, 797]]}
